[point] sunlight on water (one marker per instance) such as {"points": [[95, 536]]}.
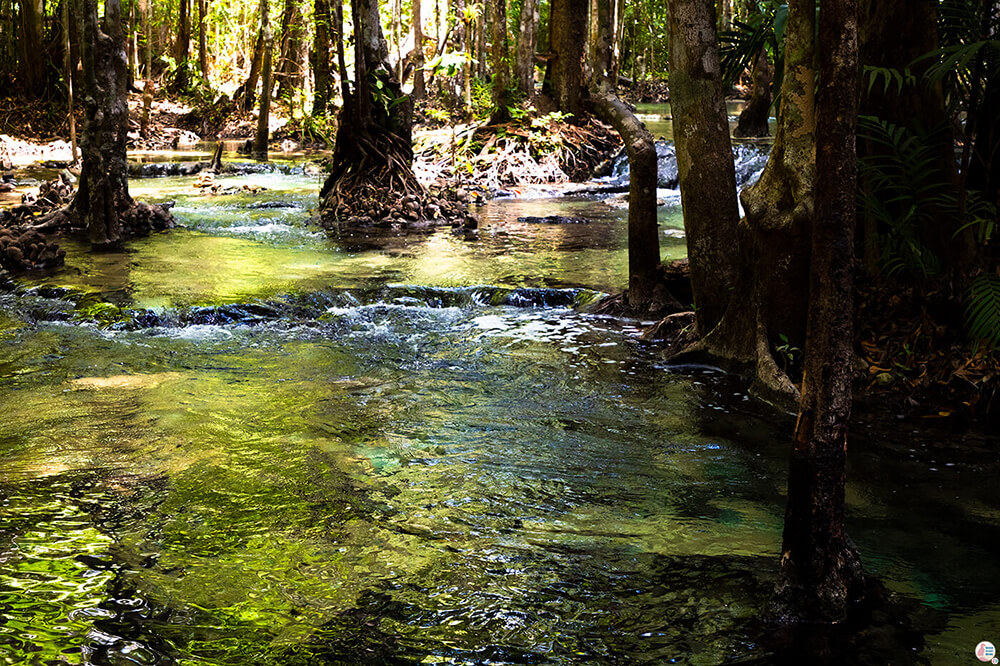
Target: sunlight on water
{"points": [[249, 442]]}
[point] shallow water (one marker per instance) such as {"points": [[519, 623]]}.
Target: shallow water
{"points": [[249, 442]]}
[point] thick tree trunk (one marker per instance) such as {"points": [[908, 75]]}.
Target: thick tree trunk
{"points": [[321, 49], [704, 158], [753, 119], [32, 58], [482, 61], [183, 46], [568, 30], [599, 53], [821, 571], [771, 286], [373, 158], [102, 201], [203, 41], [526, 47], [264, 113], [499, 62], [419, 87]]}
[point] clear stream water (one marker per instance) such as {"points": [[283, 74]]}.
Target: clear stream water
{"points": [[247, 442]]}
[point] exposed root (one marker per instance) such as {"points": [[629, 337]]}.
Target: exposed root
{"points": [[22, 250], [500, 157], [368, 205]]}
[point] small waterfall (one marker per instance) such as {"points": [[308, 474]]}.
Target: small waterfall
{"points": [[749, 158]]}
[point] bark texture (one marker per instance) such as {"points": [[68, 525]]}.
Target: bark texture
{"points": [[182, 46], [264, 112], [568, 34], [499, 61], [419, 86], [102, 202], [820, 571], [32, 59], [526, 38], [704, 158], [321, 51], [773, 270], [373, 151]]}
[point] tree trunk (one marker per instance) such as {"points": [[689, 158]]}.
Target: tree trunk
{"points": [[102, 201], [202, 42], [289, 70], [771, 285], [338, 27], [753, 119], [568, 25], [247, 92], [704, 158], [419, 91], [69, 66], [32, 58], [147, 88], [725, 15], [321, 48], [526, 48], [821, 571], [618, 35], [264, 113], [182, 47], [481, 59], [499, 62], [647, 295], [373, 158]]}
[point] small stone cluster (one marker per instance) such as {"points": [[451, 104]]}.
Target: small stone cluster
{"points": [[21, 251], [382, 208]]}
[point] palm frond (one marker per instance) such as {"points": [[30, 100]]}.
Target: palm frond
{"points": [[983, 310]]}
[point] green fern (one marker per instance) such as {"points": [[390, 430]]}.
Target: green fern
{"points": [[983, 311]]}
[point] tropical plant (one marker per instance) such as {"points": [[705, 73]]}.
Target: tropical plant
{"points": [[983, 310], [739, 47]]}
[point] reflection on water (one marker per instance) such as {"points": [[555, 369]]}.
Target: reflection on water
{"points": [[275, 446]]}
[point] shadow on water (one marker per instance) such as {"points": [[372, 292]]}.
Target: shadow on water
{"points": [[248, 442]]}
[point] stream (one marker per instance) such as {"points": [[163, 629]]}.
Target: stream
{"points": [[249, 442]]}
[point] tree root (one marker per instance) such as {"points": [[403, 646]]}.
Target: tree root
{"points": [[751, 357]]}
